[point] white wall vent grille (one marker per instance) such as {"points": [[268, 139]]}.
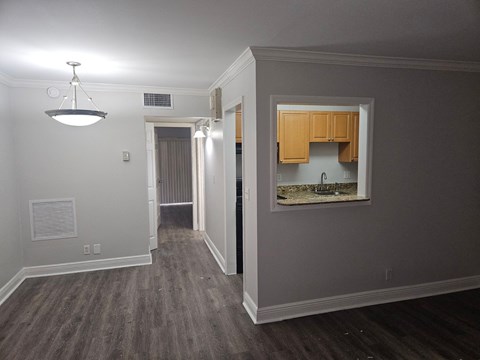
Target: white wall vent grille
{"points": [[163, 101], [53, 219]]}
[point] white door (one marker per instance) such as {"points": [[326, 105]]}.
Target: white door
{"points": [[157, 178], [151, 184]]}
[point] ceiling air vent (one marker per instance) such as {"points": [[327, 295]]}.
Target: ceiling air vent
{"points": [[163, 101]]}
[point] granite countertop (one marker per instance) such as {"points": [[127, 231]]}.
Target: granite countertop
{"points": [[305, 194]]}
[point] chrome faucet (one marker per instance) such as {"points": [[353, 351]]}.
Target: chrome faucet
{"points": [[323, 177]]}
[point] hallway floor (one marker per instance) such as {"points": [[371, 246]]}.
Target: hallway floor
{"points": [[183, 307]]}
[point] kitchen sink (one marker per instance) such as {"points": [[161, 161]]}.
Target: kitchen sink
{"points": [[329, 192]]}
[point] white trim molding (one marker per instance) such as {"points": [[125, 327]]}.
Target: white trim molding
{"points": [[6, 79], [316, 57], [8, 289], [250, 306], [90, 265], [240, 64], [356, 300], [213, 249], [69, 268], [26, 83]]}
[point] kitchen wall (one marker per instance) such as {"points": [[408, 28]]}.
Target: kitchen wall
{"points": [[57, 161], [422, 222], [10, 244], [323, 158]]}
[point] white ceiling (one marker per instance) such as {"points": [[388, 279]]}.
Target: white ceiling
{"points": [[190, 43]]}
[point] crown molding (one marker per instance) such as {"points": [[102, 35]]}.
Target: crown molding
{"points": [[315, 57], [245, 59], [43, 84], [6, 79]]}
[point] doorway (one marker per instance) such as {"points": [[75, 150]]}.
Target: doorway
{"points": [[172, 169], [234, 174]]}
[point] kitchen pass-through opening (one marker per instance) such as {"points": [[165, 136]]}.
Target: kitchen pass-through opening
{"points": [[321, 151]]}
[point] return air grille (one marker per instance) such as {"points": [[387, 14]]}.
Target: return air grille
{"points": [[163, 101], [53, 219]]}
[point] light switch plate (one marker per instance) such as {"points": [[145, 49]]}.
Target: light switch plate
{"points": [[126, 156], [96, 249]]}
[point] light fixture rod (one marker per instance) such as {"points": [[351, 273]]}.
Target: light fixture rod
{"points": [[75, 82], [74, 97], [88, 97], [65, 97]]}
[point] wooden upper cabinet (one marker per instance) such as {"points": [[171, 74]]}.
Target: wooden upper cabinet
{"points": [[330, 126], [294, 146], [238, 127], [355, 135], [341, 126], [320, 123], [278, 126], [348, 152]]}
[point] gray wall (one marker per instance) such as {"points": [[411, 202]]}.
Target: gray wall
{"points": [[215, 187], [220, 160], [423, 220], [10, 245], [56, 161]]}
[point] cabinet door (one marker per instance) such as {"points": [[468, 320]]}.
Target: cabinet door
{"points": [[294, 137], [348, 151], [341, 126], [320, 126], [356, 127], [238, 127]]}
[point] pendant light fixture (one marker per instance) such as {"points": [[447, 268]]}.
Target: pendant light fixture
{"points": [[74, 116]]}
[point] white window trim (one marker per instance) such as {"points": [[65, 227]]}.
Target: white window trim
{"points": [[365, 149]]}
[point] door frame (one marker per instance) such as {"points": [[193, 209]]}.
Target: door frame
{"points": [[230, 186], [151, 167], [197, 209]]}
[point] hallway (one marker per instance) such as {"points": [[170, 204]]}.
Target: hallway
{"points": [[184, 307]]}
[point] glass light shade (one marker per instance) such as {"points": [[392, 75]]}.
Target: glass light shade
{"points": [[199, 134], [76, 117]]}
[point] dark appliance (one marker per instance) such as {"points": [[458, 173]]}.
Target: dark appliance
{"points": [[239, 225]]}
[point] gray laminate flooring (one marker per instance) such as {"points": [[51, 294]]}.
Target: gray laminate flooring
{"points": [[183, 307]]}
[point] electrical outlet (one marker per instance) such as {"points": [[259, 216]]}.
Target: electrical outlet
{"points": [[279, 177], [346, 174], [96, 249], [86, 249], [388, 274]]}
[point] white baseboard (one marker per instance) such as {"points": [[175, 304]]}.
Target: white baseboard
{"points": [[250, 306], [90, 265], [355, 300], [69, 268], [216, 254], [8, 289]]}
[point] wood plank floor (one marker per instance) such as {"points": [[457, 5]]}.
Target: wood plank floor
{"points": [[183, 307]]}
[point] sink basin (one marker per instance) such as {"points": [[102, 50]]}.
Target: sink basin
{"points": [[329, 192], [324, 192]]}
